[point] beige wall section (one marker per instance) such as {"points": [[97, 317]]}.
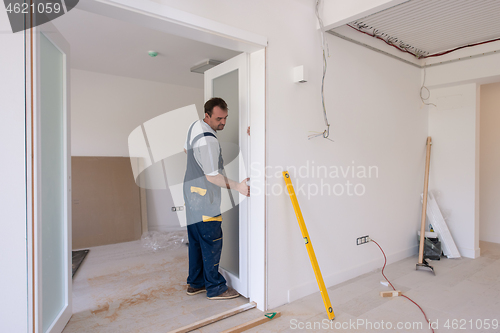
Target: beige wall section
{"points": [[106, 201], [490, 163]]}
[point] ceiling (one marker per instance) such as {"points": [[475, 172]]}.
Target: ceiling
{"points": [[427, 27], [106, 45]]}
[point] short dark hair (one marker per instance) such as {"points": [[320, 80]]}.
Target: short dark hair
{"points": [[213, 102]]}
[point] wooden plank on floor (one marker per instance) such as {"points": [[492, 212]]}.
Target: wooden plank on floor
{"points": [[250, 324], [215, 318]]}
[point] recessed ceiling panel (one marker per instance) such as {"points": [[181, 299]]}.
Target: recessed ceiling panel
{"points": [[433, 26]]}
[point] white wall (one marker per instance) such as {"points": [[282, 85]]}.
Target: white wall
{"points": [[373, 107], [477, 70], [106, 108], [13, 258], [453, 128], [456, 76], [489, 225]]}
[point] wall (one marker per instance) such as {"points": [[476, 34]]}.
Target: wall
{"points": [[490, 163], [106, 108], [373, 107], [480, 70], [13, 279], [475, 71], [452, 126]]}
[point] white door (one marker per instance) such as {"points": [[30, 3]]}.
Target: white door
{"points": [[51, 229], [229, 81]]}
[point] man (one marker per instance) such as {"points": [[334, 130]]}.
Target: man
{"points": [[202, 194]]}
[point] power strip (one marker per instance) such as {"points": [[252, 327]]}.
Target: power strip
{"points": [[362, 240]]}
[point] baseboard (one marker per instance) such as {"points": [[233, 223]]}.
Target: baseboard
{"points": [[339, 277], [469, 253]]}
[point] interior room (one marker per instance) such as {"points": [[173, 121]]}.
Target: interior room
{"points": [[383, 115]]}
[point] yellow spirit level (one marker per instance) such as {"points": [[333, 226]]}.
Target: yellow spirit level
{"points": [[309, 247]]}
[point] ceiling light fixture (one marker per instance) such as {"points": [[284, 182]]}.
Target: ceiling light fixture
{"points": [[205, 65]]}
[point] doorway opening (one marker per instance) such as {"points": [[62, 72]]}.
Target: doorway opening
{"points": [[90, 95], [489, 163]]}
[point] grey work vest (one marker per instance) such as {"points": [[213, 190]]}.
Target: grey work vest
{"points": [[202, 198]]}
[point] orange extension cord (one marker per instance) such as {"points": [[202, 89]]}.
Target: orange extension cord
{"points": [[385, 277]]}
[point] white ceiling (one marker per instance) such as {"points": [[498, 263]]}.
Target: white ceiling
{"points": [[433, 26], [106, 45]]}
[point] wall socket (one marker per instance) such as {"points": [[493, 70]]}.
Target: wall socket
{"points": [[362, 240], [177, 209]]}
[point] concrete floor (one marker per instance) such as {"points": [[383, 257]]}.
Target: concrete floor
{"points": [[125, 288]]}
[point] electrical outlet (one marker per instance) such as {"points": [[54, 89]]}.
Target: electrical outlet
{"points": [[180, 208], [362, 240]]}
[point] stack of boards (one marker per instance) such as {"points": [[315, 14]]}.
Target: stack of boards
{"points": [[436, 218]]}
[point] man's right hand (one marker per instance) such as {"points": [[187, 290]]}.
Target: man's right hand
{"points": [[243, 188]]}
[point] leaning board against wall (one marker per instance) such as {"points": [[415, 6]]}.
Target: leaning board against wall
{"points": [[106, 206]]}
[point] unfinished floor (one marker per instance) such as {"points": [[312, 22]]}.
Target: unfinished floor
{"points": [[126, 288]]}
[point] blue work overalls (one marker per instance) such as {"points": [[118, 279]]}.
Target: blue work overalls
{"points": [[204, 221]]}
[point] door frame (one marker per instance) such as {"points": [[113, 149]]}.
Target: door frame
{"points": [[170, 20], [33, 180]]}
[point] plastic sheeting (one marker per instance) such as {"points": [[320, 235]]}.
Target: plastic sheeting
{"points": [[156, 240]]}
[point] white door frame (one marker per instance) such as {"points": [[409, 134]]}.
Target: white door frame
{"points": [[173, 21], [33, 172]]}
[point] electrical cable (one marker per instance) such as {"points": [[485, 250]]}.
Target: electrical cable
{"points": [[419, 55], [461, 47], [324, 46], [385, 277], [388, 42], [428, 91]]}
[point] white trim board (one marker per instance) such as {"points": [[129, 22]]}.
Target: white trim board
{"points": [[469, 253]]}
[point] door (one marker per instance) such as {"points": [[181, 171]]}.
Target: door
{"points": [[50, 231], [229, 81]]}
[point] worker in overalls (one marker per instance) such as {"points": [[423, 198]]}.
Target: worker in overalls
{"points": [[202, 194]]}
